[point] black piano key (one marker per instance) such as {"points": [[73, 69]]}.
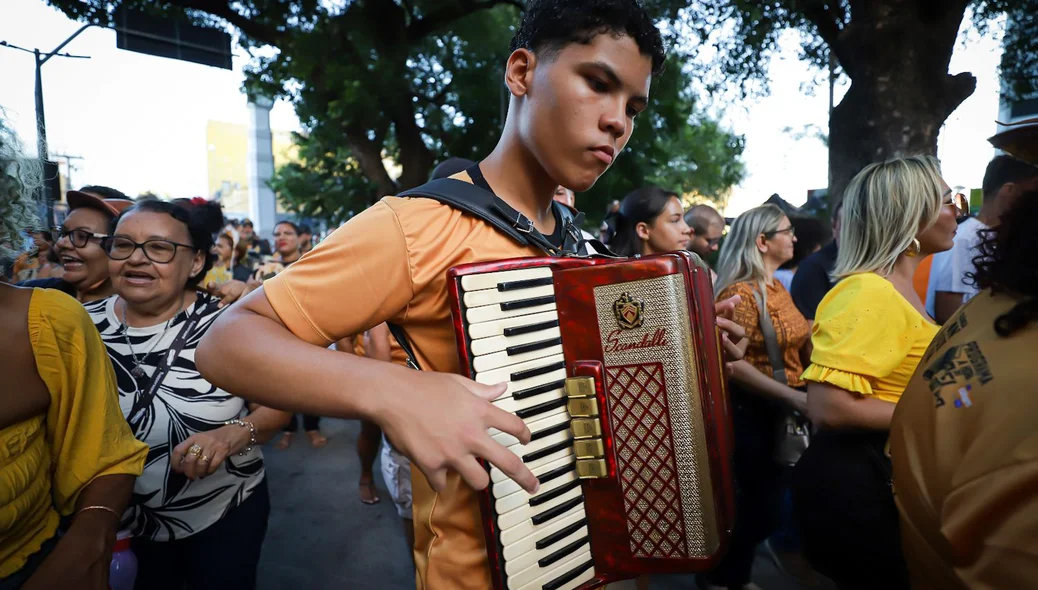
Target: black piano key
{"points": [[566, 578], [549, 431], [531, 457], [542, 408], [556, 473], [557, 555], [524, 284], [528, 373], [552, 494], [532, 346], [559, 535], [532, 391], [518, 330], [559, 510], [524, 303]]}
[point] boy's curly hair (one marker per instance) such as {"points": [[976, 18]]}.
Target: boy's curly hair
{"points": [[549, 25]]}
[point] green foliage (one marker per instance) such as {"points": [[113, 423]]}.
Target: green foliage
{"points": [[415, 81], [325, 185]]}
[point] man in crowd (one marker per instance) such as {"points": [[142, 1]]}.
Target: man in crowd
{"points": [[306, 239], [950, 284], [707, 226], [812, 279], [257, 246]]}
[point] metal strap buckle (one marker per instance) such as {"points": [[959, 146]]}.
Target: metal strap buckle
{"points": [[518, 219]]}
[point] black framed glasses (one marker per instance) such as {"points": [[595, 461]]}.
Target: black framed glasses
{"points": [[158, 251], [956, 197], [790, 230], [77, 237]]}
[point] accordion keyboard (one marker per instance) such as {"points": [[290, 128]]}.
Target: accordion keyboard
{"points": [[513, 327]]}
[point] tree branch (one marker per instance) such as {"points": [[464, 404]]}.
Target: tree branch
{"points": [[823, 19], [439, 19], [249, 28]]}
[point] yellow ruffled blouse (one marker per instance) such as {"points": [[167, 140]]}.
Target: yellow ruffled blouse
{"points": [[46, 461], [867, 338]]}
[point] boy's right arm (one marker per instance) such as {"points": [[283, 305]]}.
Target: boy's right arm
{"points": [[439, 420]]}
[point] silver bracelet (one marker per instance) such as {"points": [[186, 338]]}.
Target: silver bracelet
{"points": [[252, 434]]}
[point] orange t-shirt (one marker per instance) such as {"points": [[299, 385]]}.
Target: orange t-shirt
{"points": [[390, 264]]}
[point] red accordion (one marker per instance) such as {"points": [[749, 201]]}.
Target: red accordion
{"points": [[616, 367]]}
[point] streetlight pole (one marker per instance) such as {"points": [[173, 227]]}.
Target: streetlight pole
{"points": [[41, 121]]}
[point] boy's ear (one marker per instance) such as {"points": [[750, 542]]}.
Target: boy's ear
{"points": [[519, 71]]}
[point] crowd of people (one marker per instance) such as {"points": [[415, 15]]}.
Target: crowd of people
{"points": [[884, 430]]}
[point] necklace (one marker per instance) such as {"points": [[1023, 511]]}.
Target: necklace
{"points": [[138, 370]]}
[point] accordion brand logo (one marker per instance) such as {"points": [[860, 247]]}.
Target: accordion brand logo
{"points": [[628, 312]]}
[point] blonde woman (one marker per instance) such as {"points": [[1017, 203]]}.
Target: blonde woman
{"points": [[760, 241], [870, 331]]}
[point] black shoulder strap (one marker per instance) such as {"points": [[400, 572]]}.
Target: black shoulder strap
{"points": [[492, 209]]}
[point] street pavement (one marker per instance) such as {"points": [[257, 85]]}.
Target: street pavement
{"points": [[320, 536]]}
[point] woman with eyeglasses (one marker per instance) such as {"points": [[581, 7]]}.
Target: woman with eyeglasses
{"points": [[78, 245], [759, 242], [870, 332], [199, 511]]}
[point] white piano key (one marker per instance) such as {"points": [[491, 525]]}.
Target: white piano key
{"points": [[504, 374], [536, 578], [580, 580], [524, 539], [510, 404], [500, 343], [494, 297], [498, 476], [506, 487], [490, 280], [530, 558], [488, 313], [554, 418], [492, 328], [502, 359], [510, 519], [539, 444], [526, 530], [522, 497]]}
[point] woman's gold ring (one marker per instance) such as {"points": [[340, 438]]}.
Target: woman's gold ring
{"points": [[194, 450], [204, 459]]}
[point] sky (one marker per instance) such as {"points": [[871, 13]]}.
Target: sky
{"points": [[138, 122]]}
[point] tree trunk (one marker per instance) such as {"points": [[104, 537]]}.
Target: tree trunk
{"points": [[897, 56]]}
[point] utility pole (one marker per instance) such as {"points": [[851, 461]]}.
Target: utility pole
{"points": [[41, 121]]}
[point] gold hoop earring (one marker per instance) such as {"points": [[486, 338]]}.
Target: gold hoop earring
{"points": [[914, 248]]}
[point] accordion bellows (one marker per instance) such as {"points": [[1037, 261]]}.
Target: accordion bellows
{"points": [[616, 367]]}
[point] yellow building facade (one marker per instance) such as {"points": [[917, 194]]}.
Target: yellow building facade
{"points": [[227, 145]]}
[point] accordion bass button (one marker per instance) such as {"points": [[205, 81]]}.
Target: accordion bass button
{"points": [[580, 386], [585, 428], [583, 407], [588, 448], [591, 468]]}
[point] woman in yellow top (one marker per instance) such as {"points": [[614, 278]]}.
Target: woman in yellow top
{"points": [[65, 449], [870, 331]]}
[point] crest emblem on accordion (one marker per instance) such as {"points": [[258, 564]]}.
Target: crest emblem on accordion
{"points": [[628, 312]]}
